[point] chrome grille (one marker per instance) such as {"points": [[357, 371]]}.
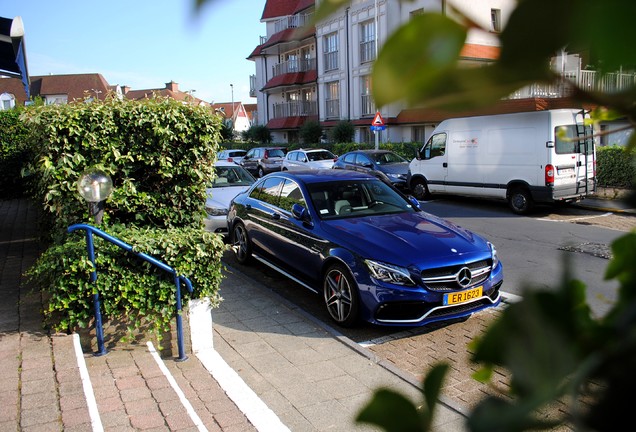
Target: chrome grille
{"points": [[446, 279]]}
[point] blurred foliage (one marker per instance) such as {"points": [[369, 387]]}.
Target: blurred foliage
{"points": [[14, 150]]}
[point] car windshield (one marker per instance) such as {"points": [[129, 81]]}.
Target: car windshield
{"points": [[356, 198], [275, 153], [387, 158], [232, 176], [320, 155]]}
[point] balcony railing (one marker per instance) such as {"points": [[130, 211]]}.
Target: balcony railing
{"points": [[367, 51], [331, 60], [302, 65], [295, 109], [292, 21], [368, 105], [584, 79]]}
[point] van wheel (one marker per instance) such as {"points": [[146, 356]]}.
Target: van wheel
{"points": [[420, 190], [520, 201]]}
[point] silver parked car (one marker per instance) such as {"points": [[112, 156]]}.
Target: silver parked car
{"points": [[263, 160], [231, 179], [308, 159], [232, 155]]}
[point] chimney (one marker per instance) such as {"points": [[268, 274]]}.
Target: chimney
{"points": [[172, 86], [125, 89]]}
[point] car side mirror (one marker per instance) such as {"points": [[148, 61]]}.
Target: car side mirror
{"points": [[300, 212], [414, 202]]}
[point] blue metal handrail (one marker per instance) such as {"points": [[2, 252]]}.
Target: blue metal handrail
{"points": [[90, 230]]}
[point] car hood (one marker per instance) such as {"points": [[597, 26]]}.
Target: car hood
{"points": [[406, 239], [395, 168], [222, 196]]}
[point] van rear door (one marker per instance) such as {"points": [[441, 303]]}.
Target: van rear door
{"points": [[573, 159]]}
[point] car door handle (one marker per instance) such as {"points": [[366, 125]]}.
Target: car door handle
{"points": [[445, 164]]}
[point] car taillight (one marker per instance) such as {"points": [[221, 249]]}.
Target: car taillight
{"points": [[266, 154], [549, 175], [230, 159]]}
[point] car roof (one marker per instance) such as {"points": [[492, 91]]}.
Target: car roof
{"points": [[323, 175], [224, 162]]}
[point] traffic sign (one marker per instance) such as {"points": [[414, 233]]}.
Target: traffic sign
{"points": [[377, 128], [377, 120]]}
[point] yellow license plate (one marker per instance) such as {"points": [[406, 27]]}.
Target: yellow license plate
{"points": [[463, 296]]}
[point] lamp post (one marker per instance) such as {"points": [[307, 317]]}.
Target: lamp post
{"points": [[95, 186]]}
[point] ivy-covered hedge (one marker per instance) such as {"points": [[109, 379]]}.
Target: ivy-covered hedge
{"points": [[615, 167], [160, 155], [13, 152]]}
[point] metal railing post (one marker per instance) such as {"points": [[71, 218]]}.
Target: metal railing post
{"points": [[99, 330]]}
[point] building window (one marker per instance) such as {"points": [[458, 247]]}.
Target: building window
{"points": [[495, 19], [7, 101], [330, 51], [332, 100], [367, 41], [416, 12], [419, 134], [368, 105]]}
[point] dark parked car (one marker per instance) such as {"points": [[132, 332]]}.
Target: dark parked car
{"points": [[372, 252], [263, 160], [385, 164]]}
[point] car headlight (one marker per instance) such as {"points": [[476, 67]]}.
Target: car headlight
{"points": [[397, 176], [389, 273], [216, 211], [495, 258]]}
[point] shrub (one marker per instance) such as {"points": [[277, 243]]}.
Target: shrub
{"points": [[258, 133], [159, 154], [13, 152], [342, 132], [615, 167], [310, 132]]}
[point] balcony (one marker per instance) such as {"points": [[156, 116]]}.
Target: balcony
{"points": [[292, 21], [584, 79], [293, 66], [295, 109]]}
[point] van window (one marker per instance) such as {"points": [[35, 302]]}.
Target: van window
{"points": [[566, 140], [436, 146]]}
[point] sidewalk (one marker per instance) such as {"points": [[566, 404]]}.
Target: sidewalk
{"points": [[270, 366]]}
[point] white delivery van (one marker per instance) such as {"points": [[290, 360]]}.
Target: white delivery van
{"points": [[524, 158]]}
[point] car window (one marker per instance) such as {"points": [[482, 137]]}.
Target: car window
{"points": [[275, 153], [232, 176], [290, 195], [388, 158], [320, 155], [356, 198], [268, 190], [363, 160], [349, 158]]}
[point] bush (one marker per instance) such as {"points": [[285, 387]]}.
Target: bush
{"points": [[159, 154], [615, 167], [342, 132], [258, 133], [310, 132], [13, 152]]}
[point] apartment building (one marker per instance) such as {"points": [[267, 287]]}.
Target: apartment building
{"points": [[323, 73]]}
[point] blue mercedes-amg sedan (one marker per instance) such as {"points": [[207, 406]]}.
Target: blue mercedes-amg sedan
{"points": [[373, 252]]}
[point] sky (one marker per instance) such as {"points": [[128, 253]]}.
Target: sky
{"points": [[145, 44]]}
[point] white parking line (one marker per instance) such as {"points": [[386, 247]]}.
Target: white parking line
{"points": [[576, 219], [173, 383], [96, 421], [258, 413]]}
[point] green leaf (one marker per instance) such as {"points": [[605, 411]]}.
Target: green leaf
{"points": [[415, 57], [392, 412]]}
